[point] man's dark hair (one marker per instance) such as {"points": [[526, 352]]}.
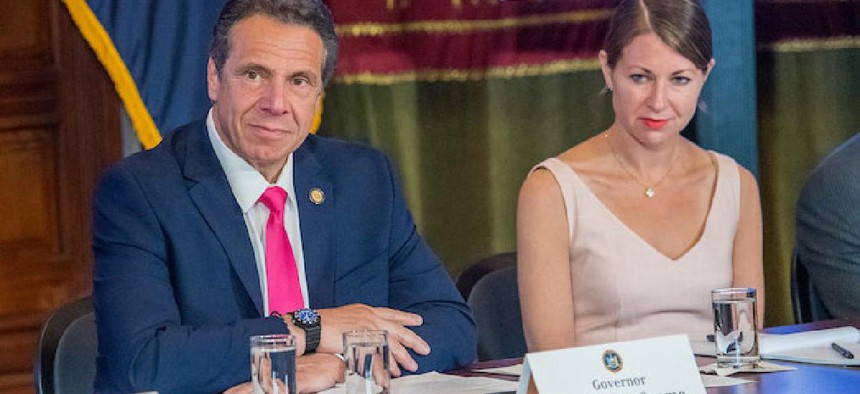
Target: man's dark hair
{"points": [[312, 14]]}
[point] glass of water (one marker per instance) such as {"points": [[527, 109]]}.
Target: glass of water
{"points": [[366, 356], [273, 364], [735, 325]]}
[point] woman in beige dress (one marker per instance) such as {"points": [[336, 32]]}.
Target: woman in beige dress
{"points": [[624, 235]]}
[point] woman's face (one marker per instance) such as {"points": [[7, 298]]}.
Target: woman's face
{"points": [[655, 89]]}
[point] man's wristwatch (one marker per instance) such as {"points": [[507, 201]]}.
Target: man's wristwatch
{"points": [[309, 320]]}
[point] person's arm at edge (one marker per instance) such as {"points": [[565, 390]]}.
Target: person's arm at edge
{"points": [[827, 232], [747, 258], [543, 267]]}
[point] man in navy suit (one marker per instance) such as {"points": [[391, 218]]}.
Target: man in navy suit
{"points": [[179, 231]]}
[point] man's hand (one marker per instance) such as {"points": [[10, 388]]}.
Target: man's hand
{"points": [[318, 372], [296, 332], [362, 317], [244, 388], [315, 372]]}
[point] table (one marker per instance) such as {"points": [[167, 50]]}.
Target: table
{"points": [[807, 379]]}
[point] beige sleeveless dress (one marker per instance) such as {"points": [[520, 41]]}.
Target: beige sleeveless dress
{"points": [[623, 288]]}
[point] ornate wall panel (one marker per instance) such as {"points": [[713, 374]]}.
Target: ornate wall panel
{"points": [[59, 121]]}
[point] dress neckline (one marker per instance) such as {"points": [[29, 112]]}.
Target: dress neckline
{"points": [[708, 218]]}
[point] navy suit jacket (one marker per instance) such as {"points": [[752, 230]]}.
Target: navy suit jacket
{"points": [[175, 284]]}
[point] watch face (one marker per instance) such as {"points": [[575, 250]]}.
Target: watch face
{"points": [[306, 317]]}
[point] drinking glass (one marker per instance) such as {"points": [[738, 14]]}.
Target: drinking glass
{"points": [[273, 364], [735, 335], [366, 356]]}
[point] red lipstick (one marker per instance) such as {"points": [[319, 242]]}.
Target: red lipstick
{"points": [[655, 124]]}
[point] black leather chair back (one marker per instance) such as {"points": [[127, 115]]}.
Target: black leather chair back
{"points": [[471, 275], [495, 303], [66, 355], [806, 304]]}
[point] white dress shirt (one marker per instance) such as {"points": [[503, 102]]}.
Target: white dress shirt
{"points": [[248, 185]]}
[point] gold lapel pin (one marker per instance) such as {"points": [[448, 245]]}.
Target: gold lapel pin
{"points": [[317, 196]]}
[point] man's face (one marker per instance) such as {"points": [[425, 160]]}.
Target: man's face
{"points": [[267, 93]]}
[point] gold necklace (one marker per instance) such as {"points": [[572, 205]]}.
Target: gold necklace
{"points": [[649, 190]]}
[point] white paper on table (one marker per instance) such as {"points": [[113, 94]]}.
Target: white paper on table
{"points": [[701, 346], [722, 381], [512, 370], [762, 367], [435, 382], [811, 347]]}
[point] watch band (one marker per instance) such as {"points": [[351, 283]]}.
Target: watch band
{"points": [[312, 338]]}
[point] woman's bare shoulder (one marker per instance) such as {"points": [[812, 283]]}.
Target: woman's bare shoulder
{"points": [[582, 155], [539, 186]]}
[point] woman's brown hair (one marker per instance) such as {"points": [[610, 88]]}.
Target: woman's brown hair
{"points": [[681, 24]]}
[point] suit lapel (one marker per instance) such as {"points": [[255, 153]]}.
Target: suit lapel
{"points": [[316, 220], [210, 192]]}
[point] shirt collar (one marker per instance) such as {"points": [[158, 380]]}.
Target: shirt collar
{"points": [[246, 183]]}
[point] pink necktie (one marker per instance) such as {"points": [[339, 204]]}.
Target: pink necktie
{"points": [[282, 277]]}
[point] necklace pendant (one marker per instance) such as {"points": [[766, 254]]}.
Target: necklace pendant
{"points": [[649, 192]]}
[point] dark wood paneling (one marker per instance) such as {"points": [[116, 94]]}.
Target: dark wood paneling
{"points": [[22, 26], [59, 128], [28, 155]]}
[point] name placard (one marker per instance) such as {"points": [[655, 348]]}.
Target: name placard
{"points": [[662, 365]]}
